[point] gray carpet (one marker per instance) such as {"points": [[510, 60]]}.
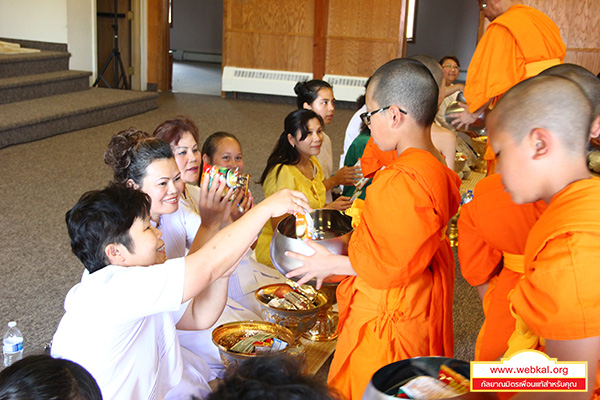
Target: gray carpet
{"points": [[43, 179]]}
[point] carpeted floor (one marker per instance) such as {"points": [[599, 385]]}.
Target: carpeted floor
{"points": [[43, 179]]}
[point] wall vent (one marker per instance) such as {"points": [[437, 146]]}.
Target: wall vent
{"points": [[346, 88], [262, 81]]}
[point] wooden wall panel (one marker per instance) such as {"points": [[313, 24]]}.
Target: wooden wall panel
{"points": [[363, 35], [261, 34], [579, 24]]}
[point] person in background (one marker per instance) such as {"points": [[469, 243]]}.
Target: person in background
{"points": [[293, 164], [451, 67], [519, 43], [317, 95], [42, 377]]}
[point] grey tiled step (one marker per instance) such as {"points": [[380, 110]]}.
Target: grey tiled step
{"points": [[30, 120], [21, 88]]}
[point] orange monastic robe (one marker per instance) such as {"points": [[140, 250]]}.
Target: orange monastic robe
{"points": [[559, 298], [374, 158], [490, 227], [518, 44], [400, 303]]}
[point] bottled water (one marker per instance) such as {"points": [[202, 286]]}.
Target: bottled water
{"points": [[466, 197], [12, 344]]}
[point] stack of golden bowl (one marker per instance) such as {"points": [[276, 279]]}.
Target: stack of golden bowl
{"points": [[297, 321], [227, 335]]}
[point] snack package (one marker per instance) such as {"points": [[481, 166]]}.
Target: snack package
{"points": [[453, 379], [230, 177], [299, 301], [304, 225], [426, 387]]}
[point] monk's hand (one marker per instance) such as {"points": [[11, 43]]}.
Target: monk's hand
{"points": [[286, 201], [317, 266], [464, 118]]}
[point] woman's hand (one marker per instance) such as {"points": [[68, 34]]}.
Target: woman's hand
{"points": [[214, 204], [241, 204], [347, 176], [285, 201], [341, 203]]}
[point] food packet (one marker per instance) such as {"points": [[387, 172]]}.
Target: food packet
{"points": [[282, 304], [305, 225], [246, 345], [299, 301], [306, 290], [456, 381], [230, 177], [426, 387]]}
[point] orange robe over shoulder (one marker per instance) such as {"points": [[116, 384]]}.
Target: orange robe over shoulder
{"points": [[559, 297], [490, 226], [518, 44], [374, 158], [400, 303]]}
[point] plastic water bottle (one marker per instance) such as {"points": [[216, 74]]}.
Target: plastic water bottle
{"points": [[12, 344], [466, 197]]}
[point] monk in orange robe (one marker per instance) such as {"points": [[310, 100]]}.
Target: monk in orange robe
{"points": [[519, 43], [557, 303], [396, 302], [492, 232]]}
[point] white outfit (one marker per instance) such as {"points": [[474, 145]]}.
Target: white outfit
{"points": [[118, 325], [179, 230], [325, 158], [352, 132]]}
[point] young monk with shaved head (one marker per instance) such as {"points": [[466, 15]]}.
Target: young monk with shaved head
{"points": [[539, 133], [493, 231], [396, 302]]}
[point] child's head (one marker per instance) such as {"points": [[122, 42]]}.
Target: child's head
{"points": [[147, 164], [302, 137], [223, 149], [42, 377], [402, 89], [102, 223], [436, 71], [182, 135], [316, 95], [539, 131], [588, 82]]}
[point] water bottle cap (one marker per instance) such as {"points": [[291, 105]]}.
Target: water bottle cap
{"points": [[12, 324]]}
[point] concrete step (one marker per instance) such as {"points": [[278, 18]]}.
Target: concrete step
{"points": [[30, 120], [21, 88], [12, 65]]}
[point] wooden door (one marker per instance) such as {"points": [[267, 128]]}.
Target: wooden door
{"points": [[106, 42]]}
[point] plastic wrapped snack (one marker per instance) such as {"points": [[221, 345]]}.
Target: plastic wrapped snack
{"points": [[258, 343], [305, 225]]}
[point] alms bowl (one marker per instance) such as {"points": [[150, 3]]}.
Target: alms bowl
{"points": [[298, 321], [226, 335], [332, 229]]}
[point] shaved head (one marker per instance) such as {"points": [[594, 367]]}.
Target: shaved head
{"points": [[433, 66], [409, 85], [588, 82], [552, 103]]}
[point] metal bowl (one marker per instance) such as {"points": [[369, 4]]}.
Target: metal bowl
{"points": [[297, 321], [478, 126], [385, 382], [226, 335], [333, 230]]}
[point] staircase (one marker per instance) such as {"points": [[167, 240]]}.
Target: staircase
{"points": [[41, 97]]}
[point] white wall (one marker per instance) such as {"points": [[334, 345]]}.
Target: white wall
{"points": [[59, 21]]}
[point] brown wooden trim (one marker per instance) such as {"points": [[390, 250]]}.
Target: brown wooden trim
{"points": [[584, 50], [320, 38], [272, 33], [362, 39]]}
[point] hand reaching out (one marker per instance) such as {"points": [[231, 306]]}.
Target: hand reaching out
{"points": [[341, 203], [348, 175]]}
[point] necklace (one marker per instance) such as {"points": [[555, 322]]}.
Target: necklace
{"points": [[186, 198]]}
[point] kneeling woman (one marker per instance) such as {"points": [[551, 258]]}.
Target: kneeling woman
{"points": [[293, 165]]}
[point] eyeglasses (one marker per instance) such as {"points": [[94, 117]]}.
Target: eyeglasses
{"points": [[456, 67], [366, 117]]}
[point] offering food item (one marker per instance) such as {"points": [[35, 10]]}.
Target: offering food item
{"points": [[231, 177], [292, 297], [258, 343], [309, 291], [304, 225], [242, 183], [449, 383]]}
